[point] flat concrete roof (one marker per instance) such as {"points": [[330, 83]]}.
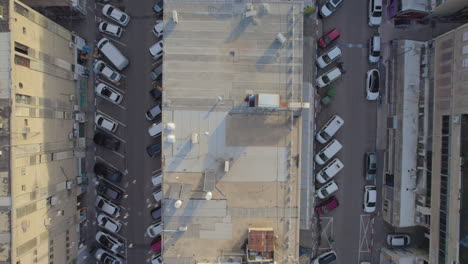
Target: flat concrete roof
{"points": [[246, 157]]}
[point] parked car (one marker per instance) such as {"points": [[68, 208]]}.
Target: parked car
{"points": [[371, 165], [154, 112], [155, 129], [110, 242], [108, 223], [156, 93], [156, 72], [106, 141], [329, 171], [374, 49], [157, 194], [398, 240], [154, 230], [328, 38], [156, 50], [327, 206], [156, 179], [156, 213], [327, 190], [107, 257], [111, 29], [109, 191], [330, 7], [107, 172], [328, 257], [158, 29], [106, 206], [156, 259], [115, 14], [108, 93], [112, 53], [154, 150], [372, 84], [156, 244], [370, 198], [375, 12], [329, 77], [106, 71], [328, 152], [105, 123], [329, 129], [328, 57], [158, 7]]}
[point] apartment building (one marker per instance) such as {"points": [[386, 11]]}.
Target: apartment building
{"points": [[425, 178], [38, 151]]}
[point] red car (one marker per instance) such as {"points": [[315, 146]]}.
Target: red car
{"points": [[327, 206], [156, 245], [328, 38]]}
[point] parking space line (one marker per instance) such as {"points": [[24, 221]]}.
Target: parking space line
{"points": [[363, 228], [154, 172], [104, 161], [116, 41], [118, 154], [106, 115], [112, 86]]}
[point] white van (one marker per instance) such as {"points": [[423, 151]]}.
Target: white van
{"points": [[329, 171], [327, 190], [328, 57], [375, 12], [112, 53], [329, 129], [328, 152], [155, 129]]}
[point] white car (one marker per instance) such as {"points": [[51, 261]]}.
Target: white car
{"points": [[110, 29], [156, 50], [110, 242], [104, 256], [372, 84], [327, 190], [156, 259], [374, 49], [115, 14], [154, 230], [330, 7], [108, 93], [108, 223], [105, 123], [106, 206], [155, 129], [328, 257], [329, 77], [158, 7], [158, 29], [104, 69], [398, 240], [375, 12], [156, 179], [328, 57], [370, 198]]}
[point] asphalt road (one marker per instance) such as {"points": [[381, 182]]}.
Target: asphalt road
{"points": [[348, 230], [132, 159]]}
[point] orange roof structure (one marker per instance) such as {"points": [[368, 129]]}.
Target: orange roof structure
{"points": [[261, 240]]}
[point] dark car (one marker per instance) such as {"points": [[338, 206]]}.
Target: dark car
{"points": [[109, 191], [154, 150], [156, 93], [108, 173], [327, 206], [156, 72], [106, 141], [328, 38], [371, 165], [156, 213], [328, 257]]}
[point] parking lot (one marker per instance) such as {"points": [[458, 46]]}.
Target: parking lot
{"points": [[354, 235], [130, 158]]}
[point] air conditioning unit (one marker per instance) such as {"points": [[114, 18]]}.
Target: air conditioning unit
{"points": [[72, 97], [226, 166], [175, 16], [70, 44], [26, 130], [194, 138], [280, 38], [69, 185], [424, 72]]}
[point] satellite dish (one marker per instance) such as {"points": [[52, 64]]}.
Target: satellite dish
{"points": [[208, 196], [178, 204]]}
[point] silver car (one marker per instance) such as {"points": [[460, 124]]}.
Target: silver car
{"points": [[108, 223], [110, 242]]}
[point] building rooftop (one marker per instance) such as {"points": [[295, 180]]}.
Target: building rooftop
{"points": [[243, 157]]}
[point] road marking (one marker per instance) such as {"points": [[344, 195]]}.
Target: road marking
{"points": [[351, 45], [111, 86], [153, 172], [104, 161], [114, 40], [327, 235], [120, 155], [363, 228], [106, 115]]}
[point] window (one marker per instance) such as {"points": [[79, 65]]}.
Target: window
{"points": [[23, 187], [465, 63], [465, 36], [465, 49], [21, 48], [22, 61], [2, 17], [21, 10]]}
